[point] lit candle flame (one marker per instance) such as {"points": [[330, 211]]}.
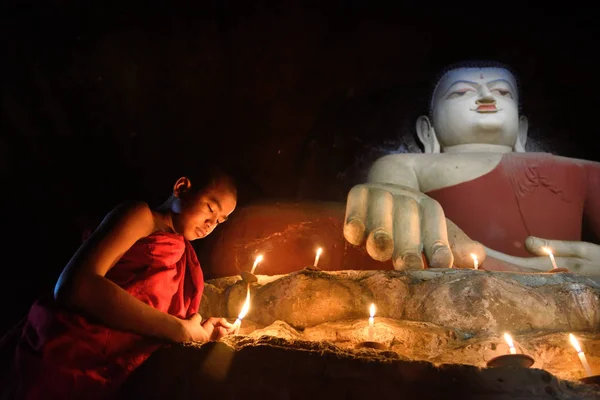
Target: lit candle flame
{"points": [[245, 309], [258, 259], [511, 345], [549, 252], [582, 358], [475, 261], [371, 321], [319, 251]]}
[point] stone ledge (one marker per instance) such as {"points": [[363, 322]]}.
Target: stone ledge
{"points": [[465, 300], [277, 368]]}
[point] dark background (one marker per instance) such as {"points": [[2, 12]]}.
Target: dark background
{"points": [[105, 102]]}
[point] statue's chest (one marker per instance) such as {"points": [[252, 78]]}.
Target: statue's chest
{"points": [[441, 171]]}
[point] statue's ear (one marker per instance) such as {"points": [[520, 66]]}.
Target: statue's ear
{"points": [[522, 137], [427, 136]]}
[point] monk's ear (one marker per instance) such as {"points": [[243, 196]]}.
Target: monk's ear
{"points": [[427, 136], [182, 186], [522, 137]]}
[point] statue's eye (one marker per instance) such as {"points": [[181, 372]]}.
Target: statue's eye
{"points": [[458, 93], [503, 93]]}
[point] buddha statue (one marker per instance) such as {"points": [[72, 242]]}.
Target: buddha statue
{"points": [[475, 188]]}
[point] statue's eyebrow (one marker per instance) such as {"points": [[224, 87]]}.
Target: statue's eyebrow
{"points": [[470, 83], [503, 80]]}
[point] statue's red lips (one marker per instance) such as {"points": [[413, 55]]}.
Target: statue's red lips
{"points": [[486, 108]]}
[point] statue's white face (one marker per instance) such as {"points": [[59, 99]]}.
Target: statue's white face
{"points": [[476, 105]]}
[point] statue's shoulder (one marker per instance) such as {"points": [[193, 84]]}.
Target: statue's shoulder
{"points": [[578, 161]]}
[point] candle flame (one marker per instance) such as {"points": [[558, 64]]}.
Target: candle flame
{"points": [[547, 250], [511, 345], [245, 307], [319, 251], [258, 259], [372, 310], [574, 342], [475, 261]]}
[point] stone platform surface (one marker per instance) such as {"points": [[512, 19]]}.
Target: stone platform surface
{"points": [[438, 329]]}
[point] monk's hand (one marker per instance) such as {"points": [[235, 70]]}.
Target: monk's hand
{"points": [[579, 257], [401, 223], [193, 330], [217, 328]]}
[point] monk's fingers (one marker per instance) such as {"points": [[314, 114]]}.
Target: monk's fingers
{"points": [[435, 235], [467, 252], [380, 244], [355, 221], [562, 248], [407, 234]]}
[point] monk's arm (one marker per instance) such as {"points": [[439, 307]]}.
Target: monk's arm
{"points": [[396, 169], [83, 285]]}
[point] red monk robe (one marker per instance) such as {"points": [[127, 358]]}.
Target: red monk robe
{"points": [[63, 355], [527, 194]]}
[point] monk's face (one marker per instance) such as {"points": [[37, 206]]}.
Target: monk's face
{"points": [[202, 211], [476, 105]]}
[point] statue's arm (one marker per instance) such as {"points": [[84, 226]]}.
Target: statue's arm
{"points": [[396, 169]]}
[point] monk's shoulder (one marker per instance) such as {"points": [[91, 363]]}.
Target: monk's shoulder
{"points": [[136, 214]]}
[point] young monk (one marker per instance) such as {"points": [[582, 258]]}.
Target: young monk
{"points": [[134, 285]]}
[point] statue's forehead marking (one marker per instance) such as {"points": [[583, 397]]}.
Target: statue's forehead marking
{"points": [[481, 75]]}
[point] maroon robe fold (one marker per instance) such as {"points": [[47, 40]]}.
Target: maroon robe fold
{"points": [[64, 355], [526, 194]]}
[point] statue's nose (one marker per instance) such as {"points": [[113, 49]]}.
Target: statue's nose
{"points": [[485, 96]]}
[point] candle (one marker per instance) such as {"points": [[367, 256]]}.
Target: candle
{"points": [[371, 321], [549, 252], [511, 345], [475, 261], [244, 311], [582, 358], [319, 251], [258, 259]]}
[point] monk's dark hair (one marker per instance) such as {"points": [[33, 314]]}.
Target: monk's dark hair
{"points": [[470, 64], [203, 177]]}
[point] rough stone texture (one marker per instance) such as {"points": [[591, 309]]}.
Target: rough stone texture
{"points": [[466, 300], [276, 368], [438, 330]]}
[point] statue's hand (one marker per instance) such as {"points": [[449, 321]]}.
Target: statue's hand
{"points": [[402, 223], [579, 257]]}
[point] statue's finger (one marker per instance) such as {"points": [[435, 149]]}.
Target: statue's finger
{"points": [[355, 221], [559, 248], [380, 244], [407, 234], [435, 235], [463, 247]]}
